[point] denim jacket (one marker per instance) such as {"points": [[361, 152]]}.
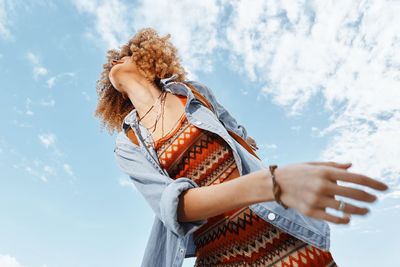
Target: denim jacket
{"points": [[171, 241]]}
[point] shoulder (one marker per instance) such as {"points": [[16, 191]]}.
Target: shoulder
{"points": [[203, 89]]}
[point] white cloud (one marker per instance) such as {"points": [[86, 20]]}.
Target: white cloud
{"points": [[28, 111], [33, 58], [68, 169], [21, 124], [38, 174], [394, 193], [41, 169], [49, 170], [296, 128], [52, 80], [196, 38], [7, 14], [47, 140], [8, 261], [35, 168], [3, 144], [394, 207], [49, 103], [111, 21], [38, 69], [345, 51], [11, 9]]}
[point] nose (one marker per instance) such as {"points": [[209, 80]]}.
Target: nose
{"points": [[113, 62]]}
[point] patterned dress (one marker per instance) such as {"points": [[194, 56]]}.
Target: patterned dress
{"points": [[238, 237]]}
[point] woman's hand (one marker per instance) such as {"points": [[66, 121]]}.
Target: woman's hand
{"points": [[311, 187], [252, 142]]}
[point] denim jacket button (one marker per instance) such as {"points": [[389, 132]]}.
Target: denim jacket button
{"points": [[182, 250], [271, 216]]}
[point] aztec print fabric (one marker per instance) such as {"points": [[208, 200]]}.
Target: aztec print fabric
{"points": [[238, 237]]}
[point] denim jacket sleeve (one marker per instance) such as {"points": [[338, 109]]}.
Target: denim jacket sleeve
{"points": [[223, 115], [160, 191]]}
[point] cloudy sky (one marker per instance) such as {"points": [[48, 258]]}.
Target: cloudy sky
{"points": [[310, 81]]}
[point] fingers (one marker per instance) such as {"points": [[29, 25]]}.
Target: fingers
{"points": [[254, 146], [252, 142], [331, 164], [335, 189], [357, 179], [322, 214], [329, 202]]}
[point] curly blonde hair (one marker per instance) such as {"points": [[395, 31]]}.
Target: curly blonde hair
{"points": [[155, 57]]}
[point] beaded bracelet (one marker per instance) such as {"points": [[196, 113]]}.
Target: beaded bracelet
{"points": [[276, 187]]}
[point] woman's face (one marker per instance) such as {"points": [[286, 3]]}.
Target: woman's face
{"points": [[122, 70]]}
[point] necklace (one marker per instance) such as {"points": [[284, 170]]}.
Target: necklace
{"points": [[151, 107], [161, 98]]}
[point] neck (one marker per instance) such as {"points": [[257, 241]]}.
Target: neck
{"points": [[143, 95]]}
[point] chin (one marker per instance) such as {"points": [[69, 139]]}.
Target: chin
{"points": [[113, 79]]}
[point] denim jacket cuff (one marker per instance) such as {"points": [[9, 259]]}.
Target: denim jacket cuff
{"points": [[169, 207]]}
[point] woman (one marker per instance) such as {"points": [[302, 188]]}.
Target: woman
{"points": [[213, 200]]}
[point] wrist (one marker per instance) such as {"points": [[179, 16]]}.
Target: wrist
{"points": [[264, 186], [277, 190]]}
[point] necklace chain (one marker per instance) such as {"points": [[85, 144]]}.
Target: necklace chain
{"points": [[159, 113], [161, 98]]}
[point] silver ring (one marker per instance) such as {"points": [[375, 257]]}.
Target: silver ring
{"points": [[341, 205]]}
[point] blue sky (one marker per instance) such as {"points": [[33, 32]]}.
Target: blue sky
{"points": [[309, 81]]}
